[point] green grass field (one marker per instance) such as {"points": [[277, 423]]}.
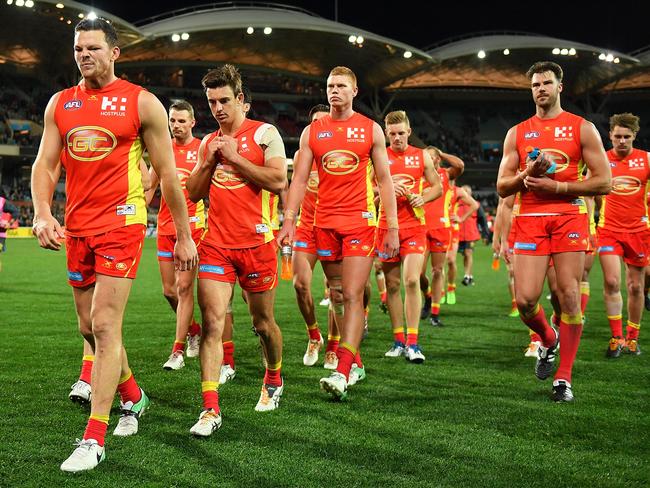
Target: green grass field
{"points": [[472, 415]]}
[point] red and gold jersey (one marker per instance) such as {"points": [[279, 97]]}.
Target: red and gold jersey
{"points": [[437, 211], [406, 168], [468, 228], [342, 150], [308, 206], [454, 205], [559, 140], [187, 156], [100, 132], [625, 209], [240, 212]]}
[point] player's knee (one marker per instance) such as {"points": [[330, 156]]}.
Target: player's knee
{"points": [[412, 281], [263, 325], [170, 294], [525, 305], [185, 289], [301, 286], [612, 284], [635, 288]]}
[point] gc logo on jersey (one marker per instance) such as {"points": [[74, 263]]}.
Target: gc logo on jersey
{"points": [[183, 174], [228, 180], [560, 158], [340, 162], [90, 143], [625, 185], [407, 180], [312, 182]]}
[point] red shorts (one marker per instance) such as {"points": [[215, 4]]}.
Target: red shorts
{"points": [[333, 245], [543, 235], [439, 239], [412, 240], [633, 248], [166, 244], [256, 268], [114, 253], [304, 240]]}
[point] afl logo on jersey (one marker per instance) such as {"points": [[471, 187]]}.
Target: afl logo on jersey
{"points": [[625, 185], [228, 180], [90, 143], [312, 182], [340, 162], [72, 105], [324, 135], [407, 180], [531, 135]]}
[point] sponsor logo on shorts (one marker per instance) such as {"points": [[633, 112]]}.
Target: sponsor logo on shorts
{"points": [[90, 143], [301, 244], [606, 249], [75, 276], [128, 209], [72, 105], [340, 162], [324, 252], [382, 255], [209, 268], [626, 185], [324, 135], [165, 254], [121, 266], [531, 135], [526, 246]]}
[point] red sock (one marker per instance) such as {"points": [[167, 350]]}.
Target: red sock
{"points": [[129, 389], [86, 368], [451, 287], [210, 395], [538, 324], [513, 304], [357, 359], [411, 337], [632, 331], [272, 375], [195, 328], [398, 335], [435, 309], [332, 343], [229, 353], [96, 428], [570, 332], [178, 346], [314, 332], [382, 296], [584, 295], [616, 325], [346, 355]]}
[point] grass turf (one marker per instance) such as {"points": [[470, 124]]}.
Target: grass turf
{"points": [[472, 415]]}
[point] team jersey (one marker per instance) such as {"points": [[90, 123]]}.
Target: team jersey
{"points": [[454, 207], [308, 206], [239, 216], [437, 211], [186, 156], [559, 140], [469, 227], [406, 168], [100, 132], [625, 209], [342, 150]]}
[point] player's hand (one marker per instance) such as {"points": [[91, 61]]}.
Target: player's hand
{"points": [[48, 231], [496, 246], [213, 153], [285, 236], [186, 256], [541, 184], [455, 219], [390, 246], [400, 189], [539, 166], [505, 252], [228, 146], [416, 200]]}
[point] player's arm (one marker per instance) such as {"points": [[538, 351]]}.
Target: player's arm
{"points": [[273, 175], [469, 202], [510, 180], [301, 168], [155, 133], [433, 178], [379, 157], [154, 181], [146, 177], [45, 174], [496, 227], [456, 165], [198, 183]]}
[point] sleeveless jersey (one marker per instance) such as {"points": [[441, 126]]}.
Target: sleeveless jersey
{"points": [[406, 168], [625, 209], [186, 158], [308, 206], [239, 216], [454, 206], [559, 140], [468, 228], [100, 132], [437, 212], [341, 150]]}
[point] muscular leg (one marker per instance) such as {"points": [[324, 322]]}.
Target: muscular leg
{"points": [[635, 277], [303, 266], [168, 279], [611, 266], [451, 273], [394, 299], [437, 263], [584, 283], [260, 305], [413, 300]]}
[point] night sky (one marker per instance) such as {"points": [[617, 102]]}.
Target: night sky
{"points": [[619, 26]]}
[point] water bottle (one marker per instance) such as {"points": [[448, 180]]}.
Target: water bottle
{"points": [[496, 262], [286, 270], [534, 153]]}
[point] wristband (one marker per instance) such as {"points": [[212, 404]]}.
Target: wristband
{"points": [[289, 214]]}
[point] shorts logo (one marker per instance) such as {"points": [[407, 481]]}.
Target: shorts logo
{"points": [[209, 268], [252, 276], [573, 235], [300, 244], [72, 105], [266, 279], [120, 266], [324, 135], [382, 255], [626, 185], [365, 247], [90, 143], [324, 252], [128, 209], [606, 249], [355, 241], [526, 246], [107, 264], [340, 162], [75, 276], [412, 243], [531, 135], [165, 254]]}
